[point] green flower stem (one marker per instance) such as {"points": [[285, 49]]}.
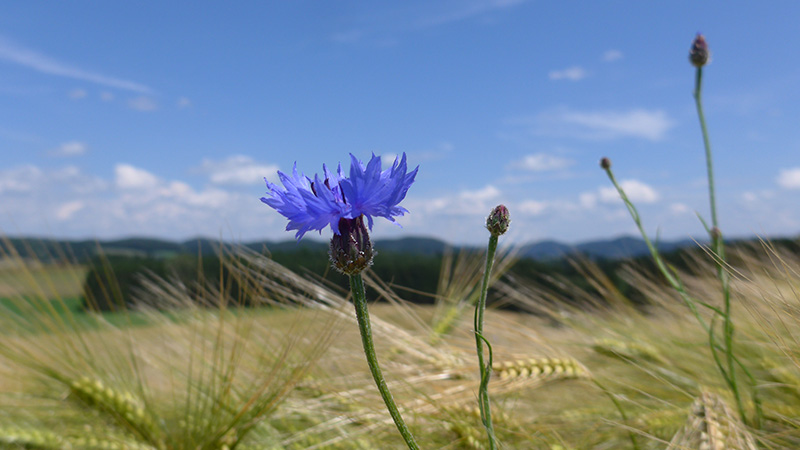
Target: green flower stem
{"points": [[718, 245], [698, 89], [362, 314], [486, 369]]}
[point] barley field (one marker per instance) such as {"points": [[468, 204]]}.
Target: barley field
{"points": [[290, 373]]}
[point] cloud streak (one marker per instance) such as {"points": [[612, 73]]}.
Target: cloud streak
{"points": [[640, 123], [574, 73], [467, 10], [16, 54], [541, 162]]}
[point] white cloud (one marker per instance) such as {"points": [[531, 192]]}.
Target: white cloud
{"points": [[587, 200], [106, 96], [184, 102], [67, 202], [541, 162], [67, 210], [467, 202], [789, 178], [612, 55], [143, 104], [19, 179], [530, 207], [77, 94], [636, 191], [678, 208], [749, 197], [486, 193], [72, 148], [238, 170], [467, 10], [574, 73], [130, 177], [387, 159], [16, 54], [637, 123]]}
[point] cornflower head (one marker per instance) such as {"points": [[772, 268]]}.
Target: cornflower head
{"points": [[343, 202]]}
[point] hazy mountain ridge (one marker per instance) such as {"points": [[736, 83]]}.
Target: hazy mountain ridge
{"points": [[58, 250]]}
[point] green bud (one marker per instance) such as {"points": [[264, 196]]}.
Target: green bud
{"points": [[498, 220], [351, 250]]}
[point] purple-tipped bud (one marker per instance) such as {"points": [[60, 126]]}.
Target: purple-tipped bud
{"points": [[498, 220], [699, 54], [605, 163], [351, 250]]}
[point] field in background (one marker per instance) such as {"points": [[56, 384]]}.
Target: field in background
{"points": [[293, 374], [32, 278]]}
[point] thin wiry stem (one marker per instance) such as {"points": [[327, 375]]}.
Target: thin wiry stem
{"points": [[362, 314], [718, 245], [616, 403], [486, 369]]}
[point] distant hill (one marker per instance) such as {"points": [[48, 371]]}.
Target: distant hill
{"points": [[56, 250]]}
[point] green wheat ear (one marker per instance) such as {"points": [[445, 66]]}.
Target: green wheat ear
{"points": [[122, 406], [628, 351], [31, 438], [42, 439], [540, 368]]}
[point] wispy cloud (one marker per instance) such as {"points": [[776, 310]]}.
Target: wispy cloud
{"points": [[636, 123], [143, 104], [636, 191], [465, 203], [789, 178], [531, 207], [77, 94], [612, 55], [17, 54], [72, 148], [466, 10], [238, 170], [127, 176], [540, 162], [574, 73]]}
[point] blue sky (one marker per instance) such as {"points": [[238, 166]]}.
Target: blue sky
{"points": [[162, 118]]}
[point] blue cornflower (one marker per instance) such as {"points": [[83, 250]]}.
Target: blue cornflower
{"points": [[368, 191]]}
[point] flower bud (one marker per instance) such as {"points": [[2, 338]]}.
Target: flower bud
{"points": [[699, 54], [498, 220], [605, 163], [351, 250]]}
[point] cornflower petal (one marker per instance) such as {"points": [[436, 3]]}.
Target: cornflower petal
{"points": [[368, 191], [375, 193], [305, 209]]}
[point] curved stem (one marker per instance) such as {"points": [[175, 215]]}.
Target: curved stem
{"points": [[362, 314], [486, 370]]}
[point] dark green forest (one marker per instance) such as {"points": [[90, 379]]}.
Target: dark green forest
{"points": [[115, 280]]}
